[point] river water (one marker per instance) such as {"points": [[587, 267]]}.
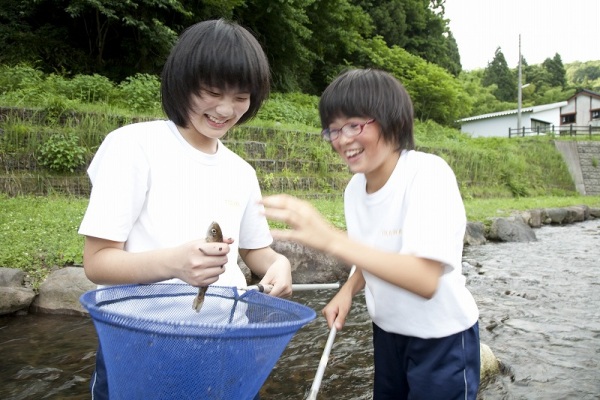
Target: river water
{"points": [[540, 315]]}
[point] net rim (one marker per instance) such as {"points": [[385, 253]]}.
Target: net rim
{"points": [[184, 328]]}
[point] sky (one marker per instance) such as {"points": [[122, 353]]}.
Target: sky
{"points": [[570, 28]]}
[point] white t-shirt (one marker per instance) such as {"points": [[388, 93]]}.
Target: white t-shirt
{"points": [[418, 211], [151, 189]]}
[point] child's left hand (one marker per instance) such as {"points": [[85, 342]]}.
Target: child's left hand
{"points": [[308, 227]]}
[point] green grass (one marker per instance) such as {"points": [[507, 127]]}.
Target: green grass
{"points": [[496, 175], [39, 234]]}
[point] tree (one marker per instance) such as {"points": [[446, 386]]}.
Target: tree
{"points": [[556, 71], [28, 35], [497, 73], [418, 26], [339, 29], [435, 93], [482, 97], [133, 31], [113, 37], [281, 27]]}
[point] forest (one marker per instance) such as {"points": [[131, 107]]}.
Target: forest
{"points": [[308, 42]]}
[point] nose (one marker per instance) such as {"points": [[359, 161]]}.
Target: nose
{"points": [[343, 139], [225, 107]]}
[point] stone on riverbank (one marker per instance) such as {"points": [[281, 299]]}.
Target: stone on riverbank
{"points": [[490, 366], [60, 292], [14, 295], [511, 229], [475, 234]]}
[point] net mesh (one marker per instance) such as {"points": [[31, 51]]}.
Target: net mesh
{"points": [[156, 346]]}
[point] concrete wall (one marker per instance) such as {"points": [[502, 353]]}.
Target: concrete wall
{"points": [[583, 162], [570, 154], [589, 159]]}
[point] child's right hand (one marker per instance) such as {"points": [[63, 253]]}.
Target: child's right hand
{"points": [[200, 262], [337, 310]]}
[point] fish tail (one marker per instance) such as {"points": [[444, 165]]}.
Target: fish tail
{"points": [[199, 300]]}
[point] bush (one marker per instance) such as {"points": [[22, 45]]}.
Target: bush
{"points": [[87, 88], [62, 153], [141, 93], [19, 77], [291, 108]]}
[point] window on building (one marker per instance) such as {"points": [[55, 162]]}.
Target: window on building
{"points": [[539, 126], [596, 114], [567, 119]]}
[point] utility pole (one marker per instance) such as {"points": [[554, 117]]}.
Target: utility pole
{"points": [[519, 91]]}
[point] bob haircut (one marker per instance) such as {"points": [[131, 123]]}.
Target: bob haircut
{"points": [[371, 93], [214, 54]]}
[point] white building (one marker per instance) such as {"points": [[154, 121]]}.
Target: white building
{"points": [[579, 114], [583, 109], [497, 124]]}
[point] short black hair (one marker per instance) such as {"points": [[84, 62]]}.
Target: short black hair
{"points": [[371, 93], [216, 54]]}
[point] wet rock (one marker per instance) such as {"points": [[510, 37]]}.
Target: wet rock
{"points": [[475, 234], [310, 266], [14, 299], [577, 213], [511, 229], [15, 296], [490, 366], [556, 216], [534, 218], [12, 277], [60, 292]]}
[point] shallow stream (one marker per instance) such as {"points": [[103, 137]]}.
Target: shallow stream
{"points": [[540, 315]]}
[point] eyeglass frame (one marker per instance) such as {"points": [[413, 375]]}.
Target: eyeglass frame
{"points": [[326, 133]]}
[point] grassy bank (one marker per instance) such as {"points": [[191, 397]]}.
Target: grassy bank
{"points": [[39, 234], [50, 128]]}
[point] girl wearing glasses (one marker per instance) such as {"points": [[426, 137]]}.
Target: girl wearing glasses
{"points": [[405, 227]]}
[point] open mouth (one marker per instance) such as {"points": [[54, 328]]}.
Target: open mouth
{"points": [[350, 154], [215, 120]]}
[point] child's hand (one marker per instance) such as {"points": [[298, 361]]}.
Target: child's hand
{"points": [[337, 310], [200, 262], [279, 277], [307, 225]]}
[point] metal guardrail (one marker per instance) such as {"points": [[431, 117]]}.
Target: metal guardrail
{"points": [[563, 130]]}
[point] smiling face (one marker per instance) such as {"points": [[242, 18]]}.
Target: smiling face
{"points": [[212, 114], [367, 153]]}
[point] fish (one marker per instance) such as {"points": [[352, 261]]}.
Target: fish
{"points": [[213, 234]]}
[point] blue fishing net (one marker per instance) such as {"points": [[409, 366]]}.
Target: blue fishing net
{"points": [[157, 347]]}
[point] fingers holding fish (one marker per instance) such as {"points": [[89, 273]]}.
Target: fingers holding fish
{"points": [[200, 263], [213, 249]]}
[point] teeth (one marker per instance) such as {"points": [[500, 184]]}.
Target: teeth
{"points": [[216, 121], [352, 153]]}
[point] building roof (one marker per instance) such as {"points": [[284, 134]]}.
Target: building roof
{"points": [[533, 109], [585, 92]]}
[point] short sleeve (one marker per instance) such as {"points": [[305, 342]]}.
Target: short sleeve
{"points": [[119, 178]]}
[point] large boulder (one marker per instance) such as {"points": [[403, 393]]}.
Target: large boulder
{"points": [[475, 234], [60, 292], [15, 299], [15, 296], [311, 266], [511, 229], [534, 218], [556, 216]]}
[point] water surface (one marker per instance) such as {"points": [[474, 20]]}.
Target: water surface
{"points": [[540, 314]]}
